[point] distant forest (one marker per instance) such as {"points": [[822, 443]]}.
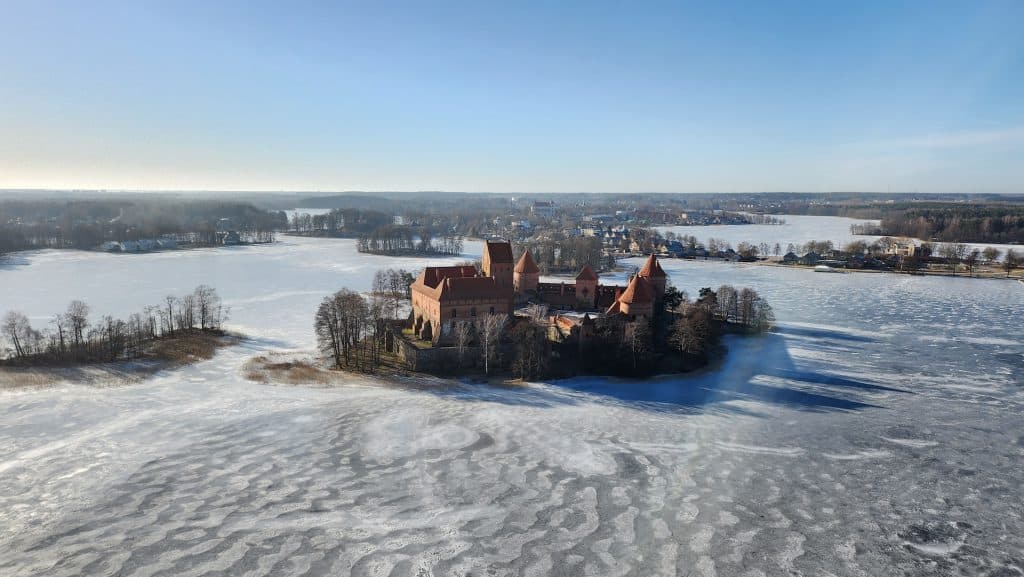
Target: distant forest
{"points": [[948, 222], [87, 223]]}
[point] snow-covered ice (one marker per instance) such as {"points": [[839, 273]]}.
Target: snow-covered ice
{"points": [[878, 432]]}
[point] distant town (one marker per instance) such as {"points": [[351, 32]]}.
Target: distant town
{"points": [[909, 233]]}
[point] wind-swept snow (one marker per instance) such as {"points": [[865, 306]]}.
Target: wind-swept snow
{"points": [[843, 444]]}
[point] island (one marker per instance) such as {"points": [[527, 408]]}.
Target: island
{"points": [[499, 318], [178, 331]]}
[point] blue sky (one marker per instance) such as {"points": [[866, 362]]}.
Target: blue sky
{"points": [[513, 96]]}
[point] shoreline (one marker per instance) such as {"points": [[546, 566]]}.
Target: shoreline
{"points": [[115, 373], [947, 274]]}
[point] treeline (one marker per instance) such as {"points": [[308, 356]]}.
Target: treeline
{"points": [[71, 338], [85, 224], [765, 219], [402, 240], [945, 222], [956, 254], [350, 327], [339, 222], [567, 254], [684, 335]]}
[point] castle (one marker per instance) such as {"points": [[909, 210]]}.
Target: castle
{"points": [[443, 296]]}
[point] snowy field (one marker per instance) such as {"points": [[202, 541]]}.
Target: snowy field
{"points": [[879, 432]]}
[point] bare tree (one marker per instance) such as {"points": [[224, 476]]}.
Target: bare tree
{"points": [[636, 344], [340, 323], [185, 316], [1010, 261], [167, 314], [489, 328], [538, 313], [208, 307], [991, 254], [59, 323], [954, 253], [691, 332], [18, 330], [77, 317], [464, 335], [531, 350], [971, 260]]}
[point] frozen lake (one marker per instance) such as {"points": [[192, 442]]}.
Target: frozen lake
{"points": [[879, 432], [798, 229]]}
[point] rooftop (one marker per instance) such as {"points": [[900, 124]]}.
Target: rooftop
{"points": [[652, 269], [499, 251], [587, 273], [526, 264]]}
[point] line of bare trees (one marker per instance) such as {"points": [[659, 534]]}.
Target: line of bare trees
{"points": [[350, 327], [71, 338], [696, 328], [957, 254], [397, 240], [560, 254]]}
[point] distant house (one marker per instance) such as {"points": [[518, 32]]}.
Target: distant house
{"points": [[129, 246], [544, 208], [111, 246], [811, 258], [673, 247], [901, 247], [146, 244], [229, 238], [790, 258], [167, 243]]}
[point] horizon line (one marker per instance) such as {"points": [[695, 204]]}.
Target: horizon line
{"points": [[438, 191]]}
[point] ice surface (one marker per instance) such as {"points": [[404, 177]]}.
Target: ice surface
{"points": [[878, 432]]}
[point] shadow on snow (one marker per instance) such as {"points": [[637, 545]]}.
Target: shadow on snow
{"points": [[755, 370]]}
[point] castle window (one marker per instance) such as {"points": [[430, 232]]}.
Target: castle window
{"points": [[492, 310], [472, 312], [455, 313]]}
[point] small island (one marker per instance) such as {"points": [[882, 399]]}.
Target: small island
{"points": [[499, 319], [178, 331]]}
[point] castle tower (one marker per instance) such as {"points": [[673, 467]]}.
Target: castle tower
{"points": [[655, 277], [526, 275], [636, 300], [497, 262], [586, 287]]}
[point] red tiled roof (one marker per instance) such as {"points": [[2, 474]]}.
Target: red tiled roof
{"points": [[499, 252], [526, 264], [652, 269], [433, 275], [587, 273], [638, 291], [481, 287]]}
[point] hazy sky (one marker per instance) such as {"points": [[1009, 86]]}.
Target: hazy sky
{"points": [[513, 96]]}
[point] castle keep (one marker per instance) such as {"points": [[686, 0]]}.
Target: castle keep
{"points": [[443, 296]]}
